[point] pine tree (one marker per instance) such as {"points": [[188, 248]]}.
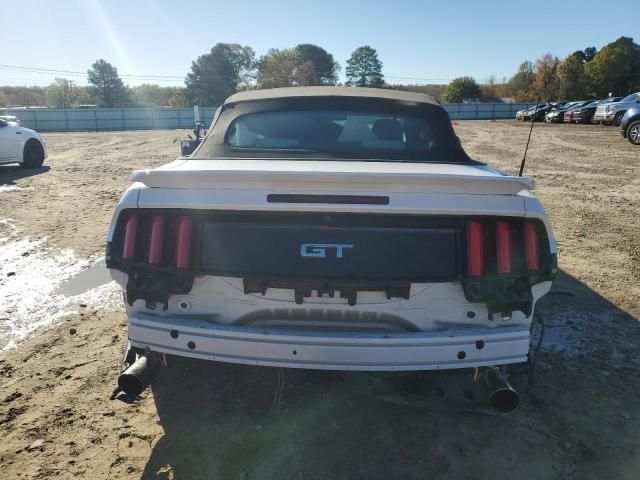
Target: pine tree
{"points": [[364, 68]]}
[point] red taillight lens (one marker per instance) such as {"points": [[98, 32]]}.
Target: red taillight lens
{"points": [[503, 246], [130, 234], [155, 239], [531, 249], [475, 248], [183, 241]]}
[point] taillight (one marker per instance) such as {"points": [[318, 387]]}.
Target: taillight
{"points": [[183, 241], [165, 239], [503, 247], [475, 248], [130, 235], [531, 249], [155, 239]]}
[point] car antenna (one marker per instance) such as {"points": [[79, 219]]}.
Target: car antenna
{"points": [[533, 120]]}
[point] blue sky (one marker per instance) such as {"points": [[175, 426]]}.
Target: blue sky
{"points": [[417, 41]]}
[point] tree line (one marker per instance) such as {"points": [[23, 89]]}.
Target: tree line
{"points": [[224, 70], [63, 93], [230, 67], [584, 74]]}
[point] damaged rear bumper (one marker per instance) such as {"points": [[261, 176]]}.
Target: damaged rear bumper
{"points": [[448, 349]]}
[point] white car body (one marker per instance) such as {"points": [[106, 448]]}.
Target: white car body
{"points": [[607, 113], [13, 140], [435, 327]]}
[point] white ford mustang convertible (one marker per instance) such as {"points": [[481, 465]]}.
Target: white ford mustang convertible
{"points": [[333, 228]]}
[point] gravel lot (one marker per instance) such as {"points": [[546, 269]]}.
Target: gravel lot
{"points": [[209, 421]]}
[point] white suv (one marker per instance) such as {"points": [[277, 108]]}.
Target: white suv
{"points": [[612, 113]]}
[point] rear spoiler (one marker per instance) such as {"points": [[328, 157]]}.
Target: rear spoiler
{"points": [[392, 180]]}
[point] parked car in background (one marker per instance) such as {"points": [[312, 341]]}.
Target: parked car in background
{"points": [[21, 145], [556, 114], [11, 119], [521, 114], [612, 113], [568, 114], [630, 125], [536, 114], [584, 114], [609, 100]]}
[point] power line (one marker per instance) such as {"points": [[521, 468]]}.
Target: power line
{"points": [[420, 78], [49, 71], [173, 78]]}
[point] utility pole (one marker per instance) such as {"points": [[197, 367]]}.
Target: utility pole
{"points": [[72, 84]]}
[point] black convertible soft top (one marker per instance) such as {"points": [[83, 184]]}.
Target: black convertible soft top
{"points": [[394, 116]]}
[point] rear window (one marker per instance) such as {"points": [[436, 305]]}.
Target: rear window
{"points": [[336, 132], [330, 128]]}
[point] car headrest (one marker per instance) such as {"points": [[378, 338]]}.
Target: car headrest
{"points": [[387, 129]]}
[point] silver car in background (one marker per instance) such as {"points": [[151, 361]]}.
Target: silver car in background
{"points": [[612, 113]]}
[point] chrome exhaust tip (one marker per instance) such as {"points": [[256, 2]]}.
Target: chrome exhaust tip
{"points": [[502, 396]]}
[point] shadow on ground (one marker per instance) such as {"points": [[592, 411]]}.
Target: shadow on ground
{"points": [[580, 419], [10, 173]]}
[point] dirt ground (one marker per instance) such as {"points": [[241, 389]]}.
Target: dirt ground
{"points": [[202, 420]]}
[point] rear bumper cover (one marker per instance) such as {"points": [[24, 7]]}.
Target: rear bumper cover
{"points": [[448, 349]]}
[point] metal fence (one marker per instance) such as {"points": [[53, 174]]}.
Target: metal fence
{"points": [[98, 119], [104, 119], [484, 111]]}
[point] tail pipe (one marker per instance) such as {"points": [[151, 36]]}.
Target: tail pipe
{"points": [[138, 375], [502, 396]]}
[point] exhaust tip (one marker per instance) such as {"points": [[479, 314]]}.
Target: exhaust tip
{"points": [[135, 379], [504, 400], [130, 384], [502, 397]]}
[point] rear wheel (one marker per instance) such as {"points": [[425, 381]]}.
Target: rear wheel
{"points": [[633, 133], [33, 155]]}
